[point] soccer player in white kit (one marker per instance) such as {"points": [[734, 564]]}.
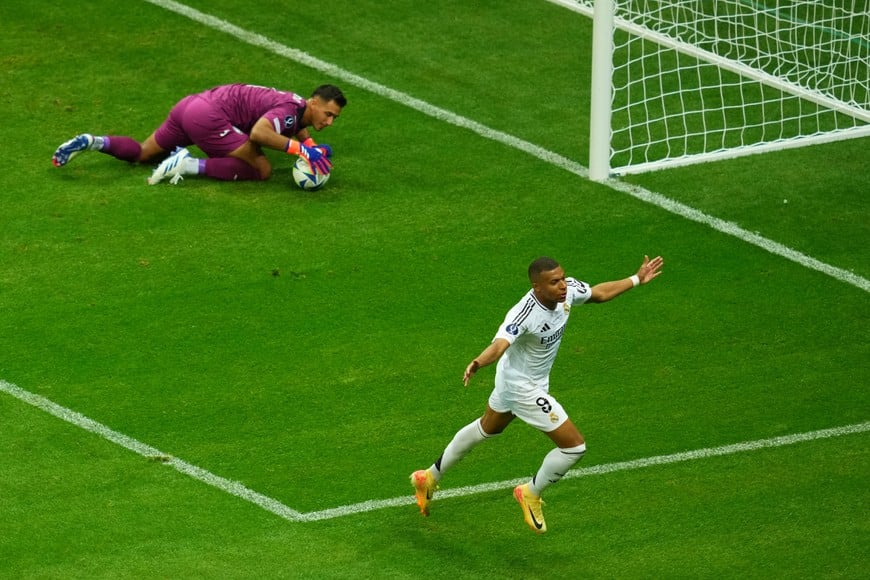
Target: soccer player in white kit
{"points": [[529, 339]]}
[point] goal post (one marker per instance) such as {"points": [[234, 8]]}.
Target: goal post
{"points": [[676, 82], [601, 91]]}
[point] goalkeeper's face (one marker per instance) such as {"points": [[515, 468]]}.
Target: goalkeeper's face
{"points": [[320, 114], [550, 287]]}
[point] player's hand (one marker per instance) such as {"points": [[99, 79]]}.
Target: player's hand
{"points": [[469, 371], [325, 149], [650, 269], [315, 158]]}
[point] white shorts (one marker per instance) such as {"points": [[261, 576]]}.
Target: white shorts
{"points": [[533, 405]]}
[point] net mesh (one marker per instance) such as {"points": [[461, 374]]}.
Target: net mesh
{"points": [[692, 78]]}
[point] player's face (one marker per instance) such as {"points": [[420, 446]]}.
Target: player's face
{"points": [[323, 114], [550, 287]]}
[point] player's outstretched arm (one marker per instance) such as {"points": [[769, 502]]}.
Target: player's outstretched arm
{"points": [[489, 355], [649, 270]]}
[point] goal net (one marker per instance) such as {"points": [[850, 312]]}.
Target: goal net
{"points": [[686, 81]]}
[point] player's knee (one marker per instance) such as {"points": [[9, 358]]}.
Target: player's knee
{"points": [[484, 432], [577, 450], [149, 150], [264, 169]]}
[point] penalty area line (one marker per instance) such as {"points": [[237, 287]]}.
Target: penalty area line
{"points": [[603, 469], [231, 487], [276, 507]]}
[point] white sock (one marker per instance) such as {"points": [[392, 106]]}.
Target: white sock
{"points": [[556, 464], [464, 440], [97, 145], [190, 166]]}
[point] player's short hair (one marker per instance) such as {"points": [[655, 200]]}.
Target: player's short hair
{"points": [[542, 264], [328, 93]]}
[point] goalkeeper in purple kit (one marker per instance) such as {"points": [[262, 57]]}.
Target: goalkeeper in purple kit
{"points": [[231, 124]]}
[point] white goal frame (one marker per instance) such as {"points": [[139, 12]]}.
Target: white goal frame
{"points": [[607, 20]]}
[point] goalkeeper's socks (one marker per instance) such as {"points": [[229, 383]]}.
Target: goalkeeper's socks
{"points": [[228, 169], [123, 148], [193, 166]]}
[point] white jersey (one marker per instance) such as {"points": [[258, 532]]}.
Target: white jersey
{"points": [[535, 333]]}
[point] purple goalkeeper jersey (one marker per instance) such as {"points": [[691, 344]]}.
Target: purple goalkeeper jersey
{"points": [[244, 105]]}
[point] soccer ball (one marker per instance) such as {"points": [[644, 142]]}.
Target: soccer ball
{"points": [[307, 177]]}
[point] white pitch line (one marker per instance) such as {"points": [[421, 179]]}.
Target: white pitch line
{"points": [[635, 191], [773, 442], [231, 487], [274, 506]]}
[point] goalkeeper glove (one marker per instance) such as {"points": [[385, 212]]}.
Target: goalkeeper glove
{"points": [[325, 149], [315, 158]]}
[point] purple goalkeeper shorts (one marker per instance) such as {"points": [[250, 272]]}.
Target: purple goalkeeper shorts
{"points": [[196, 121]]}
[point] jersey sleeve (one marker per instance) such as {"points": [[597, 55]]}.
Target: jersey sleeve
{"points": [[285, 113], [513, 325], [578, 292], [284, 119]]}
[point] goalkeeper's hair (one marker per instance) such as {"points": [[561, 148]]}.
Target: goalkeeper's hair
{"points": [[328, 93], [542, 264]]}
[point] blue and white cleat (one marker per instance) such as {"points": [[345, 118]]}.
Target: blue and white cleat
{"points": [[171, 167], [71, 148]]}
